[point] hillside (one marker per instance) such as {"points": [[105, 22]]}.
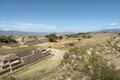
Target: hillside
{"points": [[22, 33], [75, 58]]}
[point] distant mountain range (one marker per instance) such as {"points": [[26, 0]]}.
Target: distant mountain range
{"points": [[2, 32], [22, 33]]}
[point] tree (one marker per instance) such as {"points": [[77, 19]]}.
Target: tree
{"points": [[7, 39], [52, 37]]}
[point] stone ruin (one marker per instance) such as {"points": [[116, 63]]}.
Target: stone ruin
{"points": [[9, 63]]}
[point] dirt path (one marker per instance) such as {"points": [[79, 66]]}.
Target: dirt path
{"points": [[58, 54]]}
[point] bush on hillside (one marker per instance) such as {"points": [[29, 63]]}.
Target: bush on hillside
{"points": [[83, 64], [7, 39], [52, 37]]}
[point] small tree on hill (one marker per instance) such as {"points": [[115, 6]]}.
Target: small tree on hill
{"points": [[7, 39], [52, 37]]}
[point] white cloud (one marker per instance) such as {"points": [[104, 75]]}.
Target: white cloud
{"points": [[31, 27], [113, 24]]}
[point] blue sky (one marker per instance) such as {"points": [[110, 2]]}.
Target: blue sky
{"points": [[59, 15]]}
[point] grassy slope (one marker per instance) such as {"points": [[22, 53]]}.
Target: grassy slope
{"points": [[45, 65], [48, 65], [31, 71], [5, 51]]}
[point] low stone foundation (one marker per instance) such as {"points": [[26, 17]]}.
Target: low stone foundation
{"points": [[8, 63]]}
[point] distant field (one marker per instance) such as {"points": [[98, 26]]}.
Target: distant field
{"points": [[98, 38], [5, 51]]}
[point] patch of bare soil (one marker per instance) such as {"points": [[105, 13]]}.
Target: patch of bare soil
{"points": [[58, 54]]}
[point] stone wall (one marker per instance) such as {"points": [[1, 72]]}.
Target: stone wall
{"points": [[8, 63]]}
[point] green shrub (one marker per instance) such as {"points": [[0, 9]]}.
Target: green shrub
{"points": [[52, 37], [7, 39]]}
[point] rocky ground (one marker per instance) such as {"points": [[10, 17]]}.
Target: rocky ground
{"points": [[100, 62]]}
